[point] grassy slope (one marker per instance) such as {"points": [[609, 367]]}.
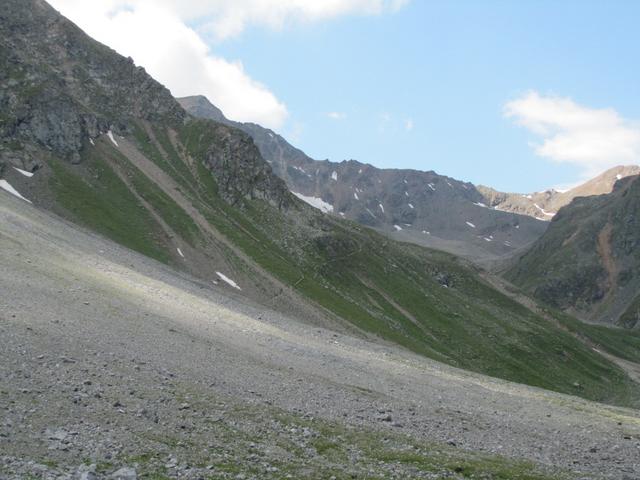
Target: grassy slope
{"points": [[386, 288]]}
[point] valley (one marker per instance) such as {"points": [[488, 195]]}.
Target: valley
{"points": [[185, 296]]}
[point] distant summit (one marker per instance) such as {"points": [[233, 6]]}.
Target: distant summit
{"points": [[410, 205], [544, 205]]}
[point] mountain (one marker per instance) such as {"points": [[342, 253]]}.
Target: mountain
{"points": [[588, 261], [93, 139], [544, 205], [409, 205], [113, 366]]}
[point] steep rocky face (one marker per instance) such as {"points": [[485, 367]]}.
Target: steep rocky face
{"points": [[544, 205], [60, 88], [588, 261], [409, 205], [237, 166]]}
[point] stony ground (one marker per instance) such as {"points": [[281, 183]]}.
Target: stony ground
{"points": [[114, 366]]}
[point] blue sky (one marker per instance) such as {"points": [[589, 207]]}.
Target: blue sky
{"points": [[519, 95], [450, 66]]}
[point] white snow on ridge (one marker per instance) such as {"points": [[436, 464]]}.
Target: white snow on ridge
{"points": [[334, 175], [619, 176], [23, 172], [397, 227], [315, 202], [480, 204], [7, 187], [470, 224], [548, 214], [113, 140], [227, 280]]}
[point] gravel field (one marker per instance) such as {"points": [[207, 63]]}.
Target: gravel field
{"points": [[115, 366]]}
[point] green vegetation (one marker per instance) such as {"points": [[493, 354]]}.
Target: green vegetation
{"points": [[392, 290], [272, 444], [427, 301], [104, 203]]}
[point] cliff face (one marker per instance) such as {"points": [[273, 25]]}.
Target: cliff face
{"points": [[60, 88]]}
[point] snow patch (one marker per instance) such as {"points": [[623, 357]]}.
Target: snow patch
{"points": [[180, 252], [24, 172], [426, 233], [381, 207], [411, 206], [488, 239], [334, 175], [271, 134], [315, 202], [341, 214], [360, 172], [92, 142], [405, 182], [619, 176], [397, 227], [548, 214], [113, 140], [470, 224], [449, 183], [227, 280], [431, 186], [7, 187], [480, 204], [406, 194], [355, 195]]}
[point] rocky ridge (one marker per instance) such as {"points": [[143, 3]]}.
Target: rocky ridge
{"points": [[545, 205], [420, 207]]}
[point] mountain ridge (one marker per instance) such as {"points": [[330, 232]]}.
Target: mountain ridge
{"points": [[198, 196], [587, 263], [421, 207], [544, 205]]}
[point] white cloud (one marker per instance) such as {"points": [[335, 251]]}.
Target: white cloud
{"points": [[176, 55], [228, 18], [592, 139], [337, 115], [155, 33], [408, 124]]}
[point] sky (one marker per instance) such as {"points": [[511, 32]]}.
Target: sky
{"points": [[518, 95]]}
